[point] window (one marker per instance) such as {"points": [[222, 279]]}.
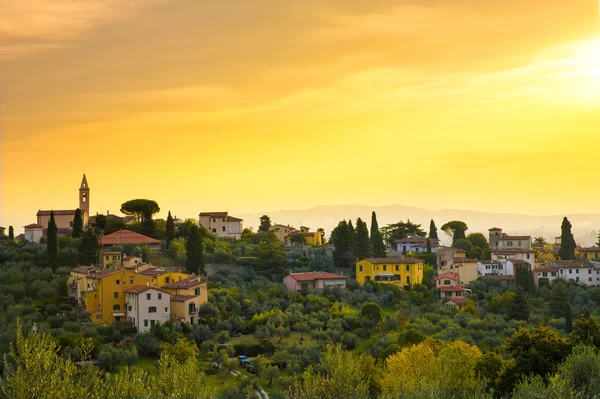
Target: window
{"points": [[166, 310], [129, 308], [528, 256], [223, 220], [447, 282], [197, 291], [223, 228], [589, 279], [145, 323], [577, 279], [159, 296], [577, 271], [570, 270], [115, 294], [553, 274], [116, 257], [407, 280], [152, 309], [192, 307], [545, 274], [397, 268], [117, 307], [130, 281], [360, 268], [152, 323], [98, 316], [407, 268], [214, 220], [118, 282], [166, 280], [106, 258], [148, 296], [519, 243], [384, 268], [214, 230], [71, 224]]}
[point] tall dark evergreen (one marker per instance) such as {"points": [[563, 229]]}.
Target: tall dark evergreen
{"points": [[341, 242], [351, 233], [378, 249], [559, 296], [89, 247], [432, 230], [362, 246], [77, 224], [52, 242], [428, 245], [524, 278], [265, 224], [568, 318], [195, 250], [169, 230], [11, 233], [567, 242], [519, 308]]}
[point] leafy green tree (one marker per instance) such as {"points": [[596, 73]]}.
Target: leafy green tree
{"points": [[11, 233], [433, 232], [270, 373], [351, 233], [478, 240], [520, 308], [52, 243], [362, 246], [342, 256], [270, 248], [559, 296], [586, 332], [539, 351], [567, 243], [89, 248], [248, 234], [410, 337], [378, 249], [372, 311], [101, 223], [169, 230], [114, 224], [298, 238], [265, 224], [195, 251], [77, 224], [540, 241], [181, 351], [143, 210], [401, 230], [455, 229], [465, 244]]}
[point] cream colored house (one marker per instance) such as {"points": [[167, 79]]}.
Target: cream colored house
{"points": [[111, 259], [34, 233], [515, 253], [186, 297], [147, 306], [222, 224]]}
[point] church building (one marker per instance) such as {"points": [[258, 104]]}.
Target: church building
{"points": [[64, 218]]}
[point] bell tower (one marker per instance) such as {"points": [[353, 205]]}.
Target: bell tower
{"points": [[84, 199]]}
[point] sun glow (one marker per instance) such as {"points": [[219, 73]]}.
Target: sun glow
{"points": [[587, 59]]}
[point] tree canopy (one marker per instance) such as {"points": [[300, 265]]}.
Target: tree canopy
{"points": [[455, 229], [143, 210], [401, 230], [77, 224], [378, 249], [265, 224], [567, 243], [433, 232]]}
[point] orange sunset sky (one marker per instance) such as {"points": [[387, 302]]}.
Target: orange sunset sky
{"points": [[284, 104]]}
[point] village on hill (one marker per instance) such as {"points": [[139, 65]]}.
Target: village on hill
{"points": [[253, 310]]}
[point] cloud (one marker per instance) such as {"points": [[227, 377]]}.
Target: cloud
{"points": [[32, 25]]}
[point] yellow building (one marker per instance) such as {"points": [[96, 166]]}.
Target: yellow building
{"points": [[186, 297], [592, 253], [111, 259], [78, 283], [466, 269], [402, 272], [285, 234]]}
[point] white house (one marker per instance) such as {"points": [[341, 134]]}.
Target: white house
{"points": [[498, 239], [222, 224], [34, 232], [514, 253], [147, 306], [416, 244], [501, 267], [579, 271]]}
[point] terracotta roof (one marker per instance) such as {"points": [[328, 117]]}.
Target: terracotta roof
{"points": [[459, 300], [60, 212], [518, 262], [184, 283], [182, 298], [104, 273], [573, 264], [506, 237], [127, 237], [380, 261], [34, 226], [591, 249], [153, 271], [418, 240], [316, 276], [443, 249], [465, 260], [450, 275], [137, 289], [221, 215], [456, 288], [546, 269], [495, 229], [511, 250]]}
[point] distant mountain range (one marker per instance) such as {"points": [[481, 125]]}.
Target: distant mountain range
{"points": [[585, 226]]}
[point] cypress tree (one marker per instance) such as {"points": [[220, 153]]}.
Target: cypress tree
{"points": [[558, 297], [350, 236], [341, 240], [428, 245], [11, 233], [89, 247], [169, 230], [77, 224], [519, 308], [195, 250], [567, 242], [568, 318], [378, 249], [52, 243], [432, 230], [362, 246]]}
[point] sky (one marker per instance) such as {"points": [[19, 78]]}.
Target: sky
{"points": [[287, 104]]}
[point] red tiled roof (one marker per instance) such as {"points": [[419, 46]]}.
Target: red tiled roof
{"points": [[506, 237], [184, 283], [459, 300], [450, 275], [380, 261], [311, 276], [182, 298], [511, 251], [153, 272], [495, 229], [137, 288], [127, 237], [84, 269], [105, 273], [465, 260], [221, 215]]}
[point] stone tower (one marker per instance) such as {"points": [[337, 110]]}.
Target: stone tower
{"points": [[84, 199]]}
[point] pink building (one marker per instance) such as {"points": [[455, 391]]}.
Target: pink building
{"points": [[303, 282]]}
